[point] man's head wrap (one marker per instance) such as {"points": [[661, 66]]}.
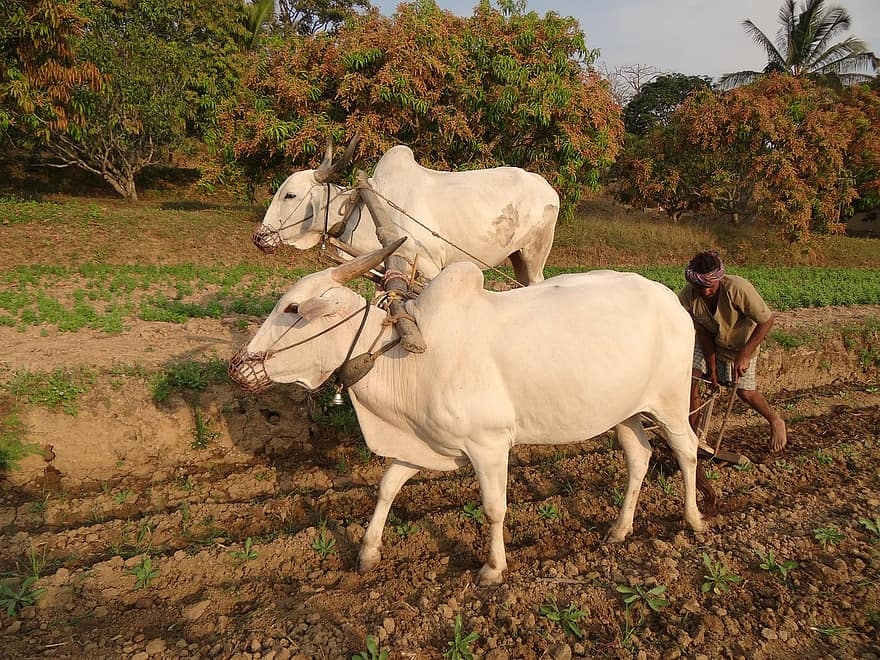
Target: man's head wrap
{"points": [[693, 275]]}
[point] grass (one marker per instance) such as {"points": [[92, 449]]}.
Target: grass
{"points": [[13, 443], [185, 376], [102, 277], [56, 389]]}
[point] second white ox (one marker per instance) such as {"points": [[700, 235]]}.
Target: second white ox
{"points": [[558, 362], [483, 216]]}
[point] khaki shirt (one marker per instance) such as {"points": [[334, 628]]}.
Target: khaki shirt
{"points": [[739, 310]]}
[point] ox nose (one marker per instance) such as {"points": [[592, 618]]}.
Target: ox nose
{"points": [[248, 371], [266, 239]]}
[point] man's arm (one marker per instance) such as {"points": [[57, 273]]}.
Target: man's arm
{"points": [[741, 364], [707, 343]]}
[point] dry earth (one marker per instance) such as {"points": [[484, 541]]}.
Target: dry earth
{"points": [[120, 481]]}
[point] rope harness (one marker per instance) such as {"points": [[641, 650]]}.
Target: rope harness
{"points": [[346, 213], [249, 369]]}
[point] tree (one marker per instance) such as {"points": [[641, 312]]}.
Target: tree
{"points": [[805, 46], [782, 148], [500, 87], [627, 81], [863, 161], [164, 64], [259, 15], [656, 100], [313, 16], [39, 69]]}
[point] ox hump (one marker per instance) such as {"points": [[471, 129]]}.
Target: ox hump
{"points": [[455, 282]]}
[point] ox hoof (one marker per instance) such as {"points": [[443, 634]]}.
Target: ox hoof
{"points": [[368, 560], [615, 535], [489, 576]]}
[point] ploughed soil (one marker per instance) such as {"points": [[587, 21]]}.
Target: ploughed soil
{"points": [[222, 525]]}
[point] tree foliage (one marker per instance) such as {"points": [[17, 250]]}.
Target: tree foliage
{"points": [[500, 87], [314, 16], [657, 99], [39, 69], [164, 63], [783, 148], [805, 46]]}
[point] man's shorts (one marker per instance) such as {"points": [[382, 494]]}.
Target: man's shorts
{"points": [[725, 369]]}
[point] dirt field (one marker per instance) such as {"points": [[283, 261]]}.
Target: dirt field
{"points": [[120, 483]]}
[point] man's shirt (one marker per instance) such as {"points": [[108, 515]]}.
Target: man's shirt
{"points": [[739, 310]]}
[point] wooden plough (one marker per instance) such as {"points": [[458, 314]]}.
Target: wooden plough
{"points": [[704, 425]]}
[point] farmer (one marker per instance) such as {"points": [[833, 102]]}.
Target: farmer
{"points": [[731, 320]]}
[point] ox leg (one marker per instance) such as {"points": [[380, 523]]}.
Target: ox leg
{"points": [[683, 442], [491, 471], [528, 262], [395, 476], [637, 450]]}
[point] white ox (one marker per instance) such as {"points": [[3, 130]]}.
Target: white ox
{"points": [[483, 216], [558, 362]]}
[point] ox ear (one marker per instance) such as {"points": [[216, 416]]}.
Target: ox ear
{"points": [[315, 308], [360, 265], [325, 169]]}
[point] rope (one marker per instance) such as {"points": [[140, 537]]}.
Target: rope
{"points": [[486, 266]]}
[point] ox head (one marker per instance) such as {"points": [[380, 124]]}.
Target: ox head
{"points": [[296, 215], [309, 332]]}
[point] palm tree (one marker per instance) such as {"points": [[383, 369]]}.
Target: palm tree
{"points": [[805, 47], [259, 13]]}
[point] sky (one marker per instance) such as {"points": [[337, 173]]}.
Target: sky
{"points": [[694, 37]]}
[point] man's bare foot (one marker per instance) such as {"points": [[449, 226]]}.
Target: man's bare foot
{"points": [[778, 435]]}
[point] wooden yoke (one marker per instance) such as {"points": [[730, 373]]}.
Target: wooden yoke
{"points": [[395, 281]]}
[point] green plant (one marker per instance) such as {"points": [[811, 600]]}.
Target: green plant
{"points": [[460, 645], [324, 544], [373, 651], [832, 631], [122, 496], [247, 553], [56, 389], [364, 453], [712, 474], [14, 598], [339, 418], [744, 467], [719, 577], [568, 618], [548, 511], [829, 535], [638, 595], [617, 496], [402, 528], [203, 430], [640, 599], [472, 511], [665, 483], [188, 376], [772, 566], [823, 457], [144, 572], [790, 340], [782, 464], [13, 446], [873, 526]]}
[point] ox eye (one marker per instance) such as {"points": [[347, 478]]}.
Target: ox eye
{"points": [[292, 308], [290, 196]]}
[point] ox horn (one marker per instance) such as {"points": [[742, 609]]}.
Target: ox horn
{"points": [[349, 152], [325, 169], [360, 265]]}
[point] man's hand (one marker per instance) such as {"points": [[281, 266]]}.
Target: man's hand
{"points": [[741, 363]]}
